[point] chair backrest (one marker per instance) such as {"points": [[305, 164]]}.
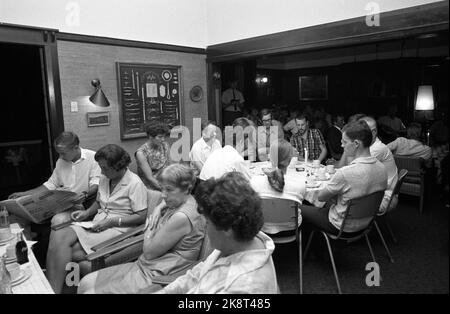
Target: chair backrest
{"points": [[362, 207], [401, 176], [277, 210], [414, 165]]}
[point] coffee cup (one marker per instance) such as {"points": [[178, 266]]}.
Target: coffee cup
{"points": [[14, 270], [330, 168], [316, 163], [11, 251]]}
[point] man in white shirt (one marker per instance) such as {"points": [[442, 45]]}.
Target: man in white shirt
{"points": [[232, 103], [384, 155], [221, 161], [411, 146], [204, 146], [76, 170]]}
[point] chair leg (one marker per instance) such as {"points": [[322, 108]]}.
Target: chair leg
{"points": [[388, 226], [308, 244], [370, 248], [384, 242], [332, 263], [300, 260]]}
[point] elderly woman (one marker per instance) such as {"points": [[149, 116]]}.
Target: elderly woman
{"points": [[172, 241], [121, 203], [278, 184], [153, 156], [242, 259]]}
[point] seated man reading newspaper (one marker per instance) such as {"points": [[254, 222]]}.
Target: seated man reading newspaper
{"points": [[76, 171]]}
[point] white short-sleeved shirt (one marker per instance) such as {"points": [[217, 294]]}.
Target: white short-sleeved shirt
{"points": [[410, 148], [363, 176], [127, 198], [384, 155], [76, 176], [221, 161], [294, 190], [200, 151]]}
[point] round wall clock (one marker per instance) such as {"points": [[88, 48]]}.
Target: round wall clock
{"points": [[196, 93]]}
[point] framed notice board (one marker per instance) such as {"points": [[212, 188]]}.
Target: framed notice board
{"points": [[147, 92]]}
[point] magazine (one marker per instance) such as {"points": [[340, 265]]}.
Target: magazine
{"points": [[42, 206]]}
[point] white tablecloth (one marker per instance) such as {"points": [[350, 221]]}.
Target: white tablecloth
{"points": [[311, 194], [36, 283]]}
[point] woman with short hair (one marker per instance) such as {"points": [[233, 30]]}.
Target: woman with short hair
{"points": [[172, 240], [121, 203], [242, 259], [153, 155]]}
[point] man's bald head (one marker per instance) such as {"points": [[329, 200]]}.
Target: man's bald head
{"points": [[372, 126]]}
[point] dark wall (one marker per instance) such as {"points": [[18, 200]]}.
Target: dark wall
{"points": [[364, 86]]}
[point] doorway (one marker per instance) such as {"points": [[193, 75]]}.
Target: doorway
{"points": [[26, 159]]}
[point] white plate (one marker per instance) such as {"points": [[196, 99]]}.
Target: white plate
{"points": [[9, 260], [23, 276]]}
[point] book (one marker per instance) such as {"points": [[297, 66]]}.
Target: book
{"points": [[42, 206]]}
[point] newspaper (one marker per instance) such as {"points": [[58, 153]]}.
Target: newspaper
{"points": [[42, 206]]}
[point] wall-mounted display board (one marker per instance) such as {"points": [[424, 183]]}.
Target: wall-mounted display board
{"points": [[147, 92]]}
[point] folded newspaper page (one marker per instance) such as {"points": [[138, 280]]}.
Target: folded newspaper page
{"points": [[42, 206]]}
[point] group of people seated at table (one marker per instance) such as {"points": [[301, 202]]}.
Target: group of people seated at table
{"points": [[211, 195]]}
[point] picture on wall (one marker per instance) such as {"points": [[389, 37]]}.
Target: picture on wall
{"points": [[98, 118], [313, 87]]}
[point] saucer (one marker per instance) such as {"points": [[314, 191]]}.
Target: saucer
{"points": [[6, 241], [23, 276], [313, 185]]}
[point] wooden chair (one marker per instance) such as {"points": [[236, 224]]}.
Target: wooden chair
{"points": [[414, 182], [277, 210], [358, 208]]}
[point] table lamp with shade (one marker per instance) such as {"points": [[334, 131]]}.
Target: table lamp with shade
{"points": [[424, 107]]}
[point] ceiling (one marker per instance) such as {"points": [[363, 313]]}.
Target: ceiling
{"points": [[428, 45]]}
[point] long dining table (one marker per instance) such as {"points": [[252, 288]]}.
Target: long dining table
{"points": [[306, 171], [34, 280]]}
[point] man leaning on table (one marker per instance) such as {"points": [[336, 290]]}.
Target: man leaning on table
{"points": [[76, 170]]}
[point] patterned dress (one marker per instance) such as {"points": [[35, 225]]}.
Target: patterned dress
{"points": [[157, 156], [137, 276]]}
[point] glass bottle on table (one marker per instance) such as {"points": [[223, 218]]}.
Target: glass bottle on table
{"points": [[5, 278], [4, 218], [21, 249]]}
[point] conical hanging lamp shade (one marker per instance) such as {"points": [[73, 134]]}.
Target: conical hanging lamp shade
{"points": [[98, 98]]}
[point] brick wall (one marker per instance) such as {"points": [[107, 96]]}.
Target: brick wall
{"points": [[79, 63]]}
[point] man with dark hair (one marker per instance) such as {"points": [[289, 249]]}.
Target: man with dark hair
{"points": [[310, 139], [334, 136], [76, 170], [204, 146], [270, 131], [363, 176]]}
